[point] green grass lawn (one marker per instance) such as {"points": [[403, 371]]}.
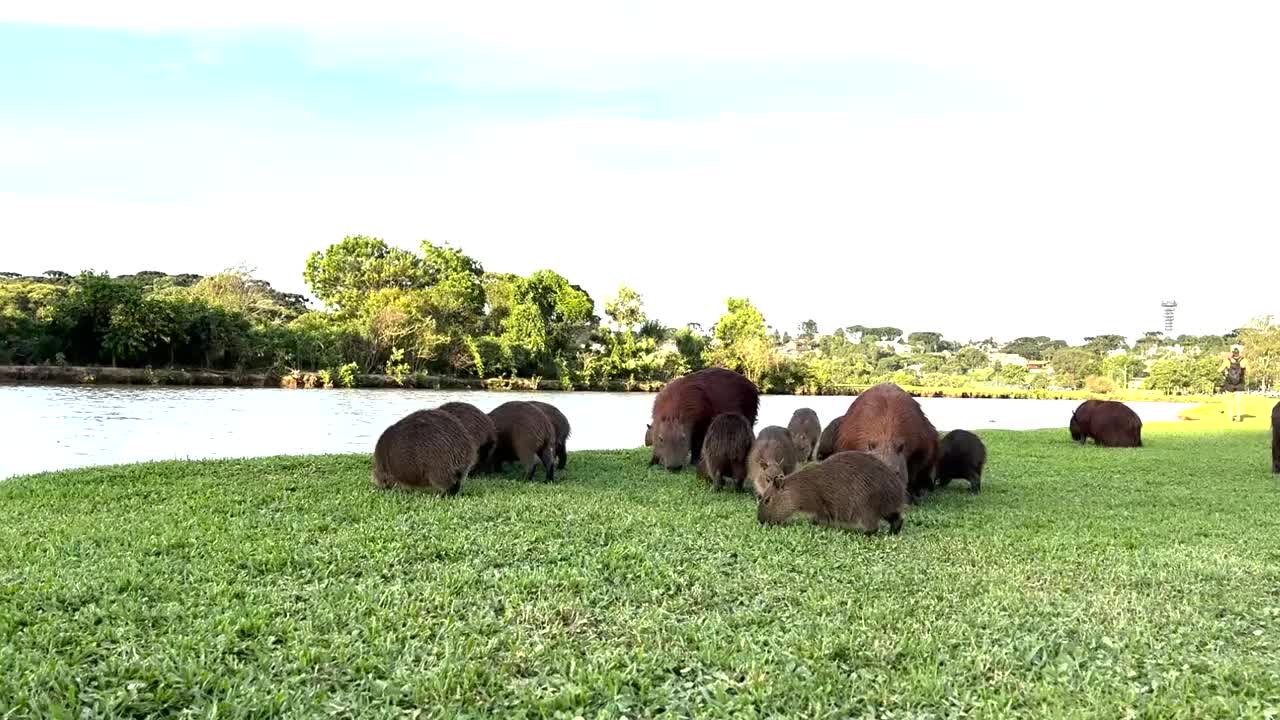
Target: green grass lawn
{"points": [[1082, 582]]}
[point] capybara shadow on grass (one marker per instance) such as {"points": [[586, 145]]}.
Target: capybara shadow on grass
{"points": [[961, 456], [772, 457], [888, 423], [805, 432], [1107, 422], [685, 407], [479, 427], [525, 435], [725, 451], [849, 490], [427, 449], [561, 424]]}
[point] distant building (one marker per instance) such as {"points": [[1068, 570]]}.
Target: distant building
{"points": [[1168, 306]]}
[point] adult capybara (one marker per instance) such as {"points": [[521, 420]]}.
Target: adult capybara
{"points": [[525, 435], [561, 424], [427, 449], [773, 456], [479, 426], [1109, 423], [684, 408], [1275, 439], [962, 455], [827, 443], [805, 431], [724, 453], [888, 423], [849, 490]]}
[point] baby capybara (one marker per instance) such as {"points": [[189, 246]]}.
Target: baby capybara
{"points": [[961, 455], [684, 408], [805, 431], [772, 457], [888, 423], [427, 449], [561, 424], [1275, 439], [1109, 423], [724, 453], [849, 490], [525, 435], [479, 426], [827, 443]]}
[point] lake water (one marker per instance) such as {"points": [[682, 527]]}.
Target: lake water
{"points": [[58, 427]]}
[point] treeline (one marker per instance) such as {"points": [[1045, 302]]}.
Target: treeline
{"points": [[438, 311]]}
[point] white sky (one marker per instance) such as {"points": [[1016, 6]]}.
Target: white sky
{"points": [[1014, 157]]}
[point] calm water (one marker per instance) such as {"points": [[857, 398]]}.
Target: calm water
{"points": [[50, 428]]}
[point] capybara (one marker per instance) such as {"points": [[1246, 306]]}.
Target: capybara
{"points": [[1275, 439], [962, 455], [849, 490], [479, 426], [888, 423], [561, 424], [724, 452], [685, 407], [1109, 423], [525, 435], [772, 457], [427, 449], [648, 435], [827, 443], [805, 431]]}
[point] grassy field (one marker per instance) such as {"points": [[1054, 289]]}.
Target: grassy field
{"points": [[1082, 582]]}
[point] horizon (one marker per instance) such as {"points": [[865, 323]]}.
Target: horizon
{"points": [[999, 173]]}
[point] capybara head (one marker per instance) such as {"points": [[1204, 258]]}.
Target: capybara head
{"points": [[670, 444], [1077, 433]]}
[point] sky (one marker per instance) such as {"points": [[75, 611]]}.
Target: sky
{"points": [[979, 169]]}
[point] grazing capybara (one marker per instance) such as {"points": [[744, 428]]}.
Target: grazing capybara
{"points": [[1275, 439], [962, 455], [849, 490], [805, 431], [827, 443], [525, 435], [684, 408], [772, 457], [427, 449], [724, 453], [1109, 423], [479, 426], [561, 424], [888, 423]]}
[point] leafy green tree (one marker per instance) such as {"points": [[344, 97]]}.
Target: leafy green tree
{"points": [[626, 309], [692, 346], [1077, 363], [1122, 368], [742, 342], [808, 329], [1103, 344], [345, 274], [1261, 340], [925, 342], [1039, 347], [968, 359]]}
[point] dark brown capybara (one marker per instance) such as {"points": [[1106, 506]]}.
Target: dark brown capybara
{"points": [[525, 435], [479, 426], [561, 424], [684, 408], [773, 456], [427, 449], [1109, 423], [888, 423], [1275, 439], [725, 450], [961, 455], [827, 443], [805, 431], [849, 490]]}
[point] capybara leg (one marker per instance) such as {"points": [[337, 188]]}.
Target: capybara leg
{"points": [[562, 456], [531, 468], [548, 462], [944, 481], [695, 444], [895, 523], [975, 483]]}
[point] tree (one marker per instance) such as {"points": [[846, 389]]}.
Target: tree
{"points": [[808, 329], [925, 342], [550, 319], [626, 309], [1177, 374], [1122, 368], [968, 359], [1103, 344], [742, 342], [1077, 363], [344, 275], [1261, 340], [875, 333], [1033, 348]]}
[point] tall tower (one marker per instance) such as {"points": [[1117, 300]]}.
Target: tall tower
{"points": [[1169, 306]]}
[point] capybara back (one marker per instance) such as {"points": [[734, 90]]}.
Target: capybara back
{"points": [[1109, 423], [525, 435], [849, 490], [827, 443], [561, 424], [772, 457], [725, 451], [961, 455], [684, 408], [805, 431], [888, 423], [427, 449], [479, 427]]}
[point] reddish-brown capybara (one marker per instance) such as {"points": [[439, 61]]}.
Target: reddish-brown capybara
{"points": [[525, 435], [805, 431], [1109, 423], [684, 408], [427, 449], [724, 453], [849, 490], [962, 455], [561, 424], [888, 423], [827, 443], [479, 426], [1275, 439], [773, 456]]}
